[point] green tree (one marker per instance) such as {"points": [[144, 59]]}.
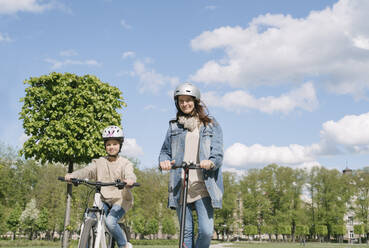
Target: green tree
{"points": [[277, 183], [296, 210], [16, 177], [250, 230], [2, 218], [50, 195], [256, 206], [42, 221], [29, 218], [339, 231], [152, 226], [284, 230], [153, 189], [321, 231], [139, 223], [168, 225], [224, 217], [302, 231], [13, 221], [63, 115], [361, 206], [359, 230], [331, 193], [7, 158], [267, 229]]}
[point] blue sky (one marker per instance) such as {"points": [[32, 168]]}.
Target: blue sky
{"points": [[287, 80]]}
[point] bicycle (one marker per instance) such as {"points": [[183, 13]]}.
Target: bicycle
{"points": [[94, 233], [186, 167]]}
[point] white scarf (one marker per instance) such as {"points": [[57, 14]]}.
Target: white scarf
{"points": [[189, 123]]}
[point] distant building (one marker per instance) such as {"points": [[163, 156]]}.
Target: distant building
{"points": [[349, 217], [347, 171]]}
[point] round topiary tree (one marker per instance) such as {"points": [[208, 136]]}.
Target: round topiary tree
{"points": [[63, 116]]}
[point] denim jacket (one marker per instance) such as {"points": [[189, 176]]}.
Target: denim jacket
{"points": [[210, 148]]}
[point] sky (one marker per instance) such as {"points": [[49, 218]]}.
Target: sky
{"points": [[287, 80]]}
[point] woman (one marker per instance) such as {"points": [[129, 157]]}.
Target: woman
{"points": [[194, 136]]}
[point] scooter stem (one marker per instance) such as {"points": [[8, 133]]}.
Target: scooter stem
{"points": [[184, 204]]}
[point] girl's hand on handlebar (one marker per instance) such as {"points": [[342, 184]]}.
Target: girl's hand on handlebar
{"points": [[167, 165], [207, 164], [129, 182]]}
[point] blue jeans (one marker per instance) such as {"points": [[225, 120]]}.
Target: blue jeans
{"points": [[113, 215], [205, 216]]}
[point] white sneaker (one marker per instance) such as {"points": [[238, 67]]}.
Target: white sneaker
{"points": [[129, 245]]}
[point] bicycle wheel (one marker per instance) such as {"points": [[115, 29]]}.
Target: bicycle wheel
{"points": [[109, 240], [88, 234]]}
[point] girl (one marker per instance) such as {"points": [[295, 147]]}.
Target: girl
{"points": [[194, 136], [109, 169]]}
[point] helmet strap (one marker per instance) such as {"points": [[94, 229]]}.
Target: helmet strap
{"points": [[112, 157], [116, 155]]}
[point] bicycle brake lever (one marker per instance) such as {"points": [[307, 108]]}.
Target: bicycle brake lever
{"points": [[119, 184], [75, 181]]}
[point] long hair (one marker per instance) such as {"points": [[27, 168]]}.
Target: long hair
{"points": [[199, 110]]}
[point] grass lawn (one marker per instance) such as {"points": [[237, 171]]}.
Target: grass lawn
{"points": [[40, 244], [292, 245]]}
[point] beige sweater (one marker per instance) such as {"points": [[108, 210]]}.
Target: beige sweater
{"points": [[103, 170], [196, 184]]}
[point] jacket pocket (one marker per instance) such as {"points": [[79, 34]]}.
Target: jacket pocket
{"points": [[175, 132], [175, 137]]}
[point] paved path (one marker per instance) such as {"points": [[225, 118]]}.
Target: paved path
{"points": [[221, 245]]}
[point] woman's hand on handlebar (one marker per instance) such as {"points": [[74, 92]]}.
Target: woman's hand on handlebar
{"points": [[166, 165], [207, 164], [68, 177]]}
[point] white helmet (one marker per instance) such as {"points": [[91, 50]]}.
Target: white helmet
{"points": [[112, 132], [187, 89]]}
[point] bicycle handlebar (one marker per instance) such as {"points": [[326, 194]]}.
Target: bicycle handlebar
{"points": [[76, 182], [187, 165]]}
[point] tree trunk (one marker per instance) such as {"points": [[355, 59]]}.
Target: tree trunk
{"points": [[67, 210]]}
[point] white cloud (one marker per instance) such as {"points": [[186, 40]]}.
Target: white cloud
{"points": [[124, 24], [128, 54], [308, 165], [352, 132], [58, 64], [68, 53], [240, 155], [348, 135], [5, 38], [304, 98], [330, 44], [23, 138], [361, 42], [238, 172], [131, 148], [150, 80], [14, 6]]}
